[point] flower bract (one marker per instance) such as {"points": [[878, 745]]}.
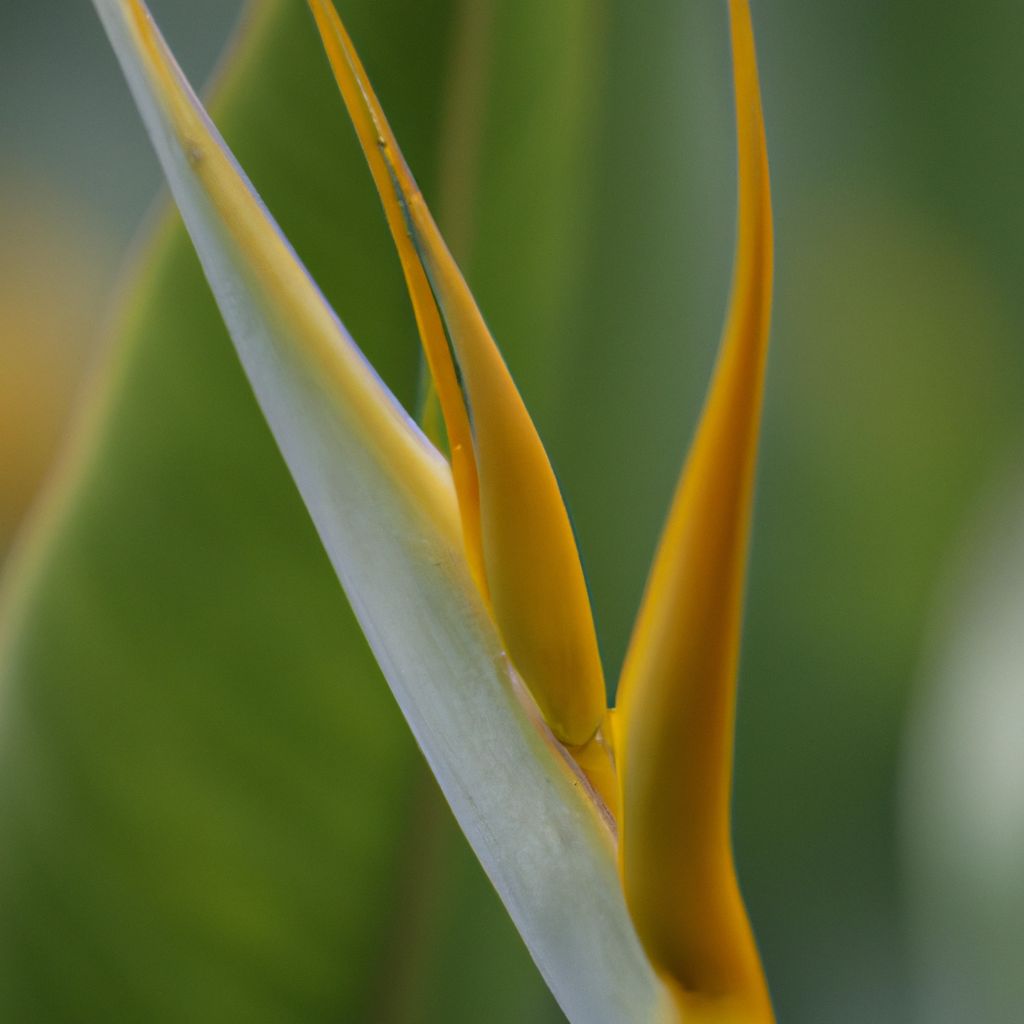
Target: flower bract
{"points": [[606, 832]]}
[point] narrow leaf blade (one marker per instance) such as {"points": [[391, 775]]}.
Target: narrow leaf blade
{"points": [[384, 505]]}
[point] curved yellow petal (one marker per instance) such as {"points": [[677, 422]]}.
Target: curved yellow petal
{"points": [[533, 569], [375, 138], [674, 723], [531, 565]]}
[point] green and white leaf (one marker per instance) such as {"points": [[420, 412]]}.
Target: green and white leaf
{"points": [[382, 502]]}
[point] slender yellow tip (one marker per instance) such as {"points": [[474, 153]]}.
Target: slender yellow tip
{"points": [[674, 727], [384, 159], [515, 516]]}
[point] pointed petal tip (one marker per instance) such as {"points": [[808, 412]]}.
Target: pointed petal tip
{"points": [[394, 182]]}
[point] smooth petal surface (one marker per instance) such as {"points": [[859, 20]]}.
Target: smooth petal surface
{"points": [[385, 508], [532, 568], [674, 724]]}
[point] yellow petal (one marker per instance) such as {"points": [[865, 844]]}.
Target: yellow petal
{"points": [[376, 140], [674, 725], [531, 565]]}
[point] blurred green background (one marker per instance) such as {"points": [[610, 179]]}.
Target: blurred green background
{"points": [[209, 809]]}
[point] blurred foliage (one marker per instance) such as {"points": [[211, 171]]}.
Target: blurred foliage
{"points": [[155, 767], [964, 803], [44, 341]]}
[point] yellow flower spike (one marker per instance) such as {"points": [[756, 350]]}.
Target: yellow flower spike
{"points": [[542, 840], [531, 565], [375, 138], [675, 717]]}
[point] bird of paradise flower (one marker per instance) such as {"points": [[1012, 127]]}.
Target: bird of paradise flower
{"points": [[465, 575]]}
